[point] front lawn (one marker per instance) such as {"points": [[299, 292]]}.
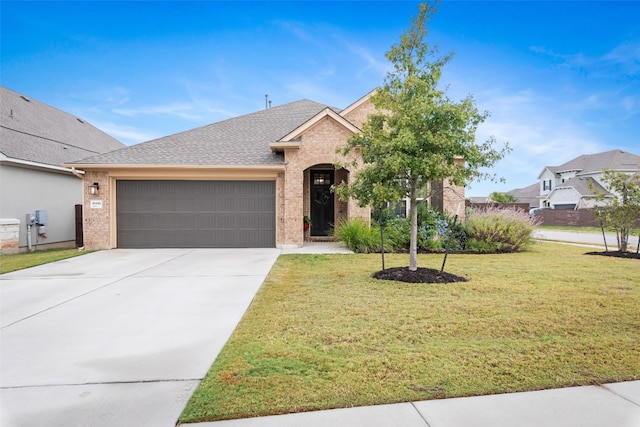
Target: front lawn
{"points": [[321, 333], [24, 260]]}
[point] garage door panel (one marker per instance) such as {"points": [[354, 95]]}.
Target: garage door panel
{"points": [[195, 214]]}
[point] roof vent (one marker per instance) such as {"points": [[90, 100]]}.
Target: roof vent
{"points": [[80, 120], [25, 98]]}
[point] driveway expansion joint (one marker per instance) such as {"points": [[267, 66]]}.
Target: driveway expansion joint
{"points": [[420, 413], [603, 386]]}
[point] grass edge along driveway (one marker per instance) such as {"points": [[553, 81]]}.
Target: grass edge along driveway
{"points": [[322, 334]]}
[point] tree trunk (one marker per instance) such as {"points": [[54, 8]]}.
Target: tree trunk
{"points": [[624, 239], [624, 230], [413, 244]]}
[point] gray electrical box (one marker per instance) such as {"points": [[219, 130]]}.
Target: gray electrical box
{"points": [[31, 219], [41, 217]]}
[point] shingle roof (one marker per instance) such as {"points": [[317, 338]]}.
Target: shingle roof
{"points": [[243, 140], [614, 159], [33, 131], [586, 186], [527, 194]]}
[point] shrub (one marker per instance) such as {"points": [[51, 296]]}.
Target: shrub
{"points": [[358, 235], [499, 230], [397, 234]]}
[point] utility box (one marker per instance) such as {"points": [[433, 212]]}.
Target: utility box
{"points": [[41, 217], [41, 221], [30, 219]]}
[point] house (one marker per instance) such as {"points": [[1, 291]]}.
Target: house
{"points": [[529, 194], [242, 182], [35, 140], [574, 184]]}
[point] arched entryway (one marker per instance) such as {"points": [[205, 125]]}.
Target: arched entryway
{"points": [[322, 205]]}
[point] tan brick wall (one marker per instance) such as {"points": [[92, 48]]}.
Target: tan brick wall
{"points": [[9, 236], [97, 221], [359, 115], [317, 147], [453, 200], [280, 203]]}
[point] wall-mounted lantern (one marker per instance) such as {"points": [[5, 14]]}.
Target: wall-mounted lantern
{"points": [[93, 189]]}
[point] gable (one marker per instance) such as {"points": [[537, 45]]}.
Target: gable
{"points": [[296, 136], [357, 112]]}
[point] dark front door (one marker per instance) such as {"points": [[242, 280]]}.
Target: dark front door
{"points": [[322, 206]]}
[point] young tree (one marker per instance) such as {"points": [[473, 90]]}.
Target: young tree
{"points": [[418, 134], [620, 213], [498, 197]]}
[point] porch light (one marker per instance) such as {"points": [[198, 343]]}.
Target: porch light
{"points": [[93, 189]]}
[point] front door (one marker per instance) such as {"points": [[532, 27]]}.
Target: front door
{"points": [[322, 206]]}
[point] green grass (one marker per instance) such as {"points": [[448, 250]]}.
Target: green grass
{"points": [[321, 333], [20, 261]]}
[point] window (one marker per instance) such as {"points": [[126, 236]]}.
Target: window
{"points": [[321, 178], [400, 209]]}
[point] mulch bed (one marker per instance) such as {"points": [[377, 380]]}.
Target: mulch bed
{"points": [[421, 275], [617, 254]]}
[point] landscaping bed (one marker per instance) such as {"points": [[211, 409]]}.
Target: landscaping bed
{"points": [[420, 275], [617, 254]]}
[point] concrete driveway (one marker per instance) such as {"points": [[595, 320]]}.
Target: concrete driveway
{"points": [[120, 337]]}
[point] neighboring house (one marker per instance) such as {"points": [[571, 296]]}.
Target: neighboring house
{"points": [[574, 184], [35, 140], [529, 194], [243, 182]]}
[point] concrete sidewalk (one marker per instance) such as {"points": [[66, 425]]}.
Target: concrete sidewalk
{"points": [[615, 405], [591, 239]]}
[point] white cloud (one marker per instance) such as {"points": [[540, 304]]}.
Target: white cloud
{"points": [[537, 132], [128, 135], [177, 109]]}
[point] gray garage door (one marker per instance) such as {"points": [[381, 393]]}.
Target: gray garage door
{"points": [[196, 214]]}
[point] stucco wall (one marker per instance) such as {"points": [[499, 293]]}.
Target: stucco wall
{"points": [[26, 190]]}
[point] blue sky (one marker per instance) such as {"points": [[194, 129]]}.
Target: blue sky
{"points": [[560, 78]]}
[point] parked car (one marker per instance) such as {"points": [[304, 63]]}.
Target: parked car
{"points": [[532, 212]]}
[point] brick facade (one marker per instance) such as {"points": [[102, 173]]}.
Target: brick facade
{"points": [[9, 236], [97, 220], [312, 146], [316, 149]]}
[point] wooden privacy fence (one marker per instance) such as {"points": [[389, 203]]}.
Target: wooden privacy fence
{"points": [[566, 217]]}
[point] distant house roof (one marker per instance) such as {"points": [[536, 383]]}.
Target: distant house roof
{"points": [[32, 131], [240, 141], [586, 163], [529, 194], [586, 186]]}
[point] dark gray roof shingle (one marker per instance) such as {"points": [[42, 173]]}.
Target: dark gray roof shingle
{"points": [[614, 159], [241, 141], [33, 131]]}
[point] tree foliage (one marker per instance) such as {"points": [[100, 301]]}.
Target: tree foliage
{"points": [[417, 134], [498, 197], [622, 212]]}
